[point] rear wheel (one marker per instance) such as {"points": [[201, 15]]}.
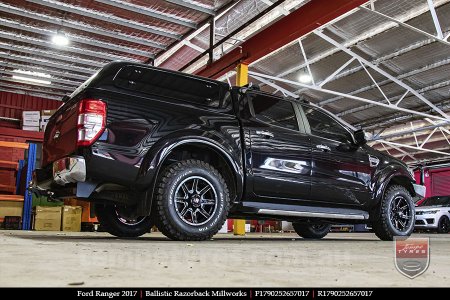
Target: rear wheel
{"points": [[397, 214], [311, 231], [118, 221], [192, 201], [443, 225]]}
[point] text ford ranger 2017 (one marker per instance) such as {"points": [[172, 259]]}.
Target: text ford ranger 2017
{"points": [[155, 147]]}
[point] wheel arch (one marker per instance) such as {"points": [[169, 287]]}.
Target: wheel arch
{"points": [[226, 159], [392, 176]]}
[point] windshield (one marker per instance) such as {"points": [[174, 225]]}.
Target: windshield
{"points": [[436, 201]]}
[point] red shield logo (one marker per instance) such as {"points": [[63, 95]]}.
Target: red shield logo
{"points": [[412, 256]]}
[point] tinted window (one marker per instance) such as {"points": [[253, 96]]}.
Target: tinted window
{"points": [[166, 84], [436, 201], [325, 126], [274, 111]]}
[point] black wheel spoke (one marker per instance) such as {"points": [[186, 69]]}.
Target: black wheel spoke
{"points": [[208, 201], [400, 214], [195, 200], [195, 185], [204, 212], [185, 190], [194, 216], [204, 190]]}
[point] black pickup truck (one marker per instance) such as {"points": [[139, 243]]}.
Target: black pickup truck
{"points": [[150, 147]]}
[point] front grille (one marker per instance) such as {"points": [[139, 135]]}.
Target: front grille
{"points": [[420, 222]]}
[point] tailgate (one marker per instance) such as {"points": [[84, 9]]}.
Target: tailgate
{"points": [[60, 138]]}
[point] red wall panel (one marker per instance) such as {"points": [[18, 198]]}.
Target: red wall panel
{"points": [[12, 105], [8, 174]]}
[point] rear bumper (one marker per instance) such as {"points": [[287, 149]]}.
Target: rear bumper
{"points": [[53, 180], [69, 170]]}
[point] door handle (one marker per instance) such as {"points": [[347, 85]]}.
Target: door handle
{"points": [[265, 133], [323, 148]]}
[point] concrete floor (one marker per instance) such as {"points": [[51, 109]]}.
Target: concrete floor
{"points": [[98, 259]]}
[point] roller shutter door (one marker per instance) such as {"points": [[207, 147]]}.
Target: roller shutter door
{"points": [[440, 183]]}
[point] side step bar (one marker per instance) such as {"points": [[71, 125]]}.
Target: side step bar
{"points": [[309, 214]]}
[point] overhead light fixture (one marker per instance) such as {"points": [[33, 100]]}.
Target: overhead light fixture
{"points": [[60, 39], [34, 80], [305, 78], [30, 79], [35, 74]]}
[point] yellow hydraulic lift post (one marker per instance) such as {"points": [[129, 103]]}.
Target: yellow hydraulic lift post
{"points": [[241, 80]]}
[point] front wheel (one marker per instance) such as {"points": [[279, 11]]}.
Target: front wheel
{"points": [[311, 231], [117, 221], [443, 225], [397, 214], [192, 201]]}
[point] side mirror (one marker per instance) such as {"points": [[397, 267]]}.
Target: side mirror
{"points": [[360, 137]]}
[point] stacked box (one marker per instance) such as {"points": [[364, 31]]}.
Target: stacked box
{"points": [[30, 120], [47, 218], [45, 116], [11, 208], [71, 218]]}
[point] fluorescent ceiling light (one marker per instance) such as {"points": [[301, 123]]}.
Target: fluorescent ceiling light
{"points": [[304, 78], [36, 74], [60, 39], [28, 79]]}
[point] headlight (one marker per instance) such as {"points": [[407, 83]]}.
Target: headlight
{"points": [[431, 212]]}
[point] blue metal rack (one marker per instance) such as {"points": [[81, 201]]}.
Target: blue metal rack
{"points": [[28, 197], [19, 172]]}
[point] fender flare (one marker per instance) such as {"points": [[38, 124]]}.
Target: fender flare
{"points": [[157, 154]]}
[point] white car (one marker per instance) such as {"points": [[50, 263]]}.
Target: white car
{"points": [[434, 214]]}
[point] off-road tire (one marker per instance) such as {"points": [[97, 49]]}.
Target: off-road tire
{"points": [[384, 228], [111, 222], [169, 220], [309, 231]]}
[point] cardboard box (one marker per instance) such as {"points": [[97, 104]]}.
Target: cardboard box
{"points": [[43, 123], [11, 208], [31, 128], [47, 218], [71, 218], [30, 122], [47, 112], [31, 115]]}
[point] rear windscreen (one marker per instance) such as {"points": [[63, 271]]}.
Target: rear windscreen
{"points": [[166, 84]]}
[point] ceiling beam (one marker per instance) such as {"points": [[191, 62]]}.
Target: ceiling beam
{"points": [[29, 67], [51, 79], [35, 41], [307, 18], [52, 86], [78, 26], [142, 10], [51, 55], [74, 38], [22, 92], [47, 63], [384, 27], [34, 90], [105, 17], [193, 6]]}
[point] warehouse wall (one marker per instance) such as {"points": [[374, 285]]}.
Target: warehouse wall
{"points": [[436, 181], [7, 172], [12, 105]]}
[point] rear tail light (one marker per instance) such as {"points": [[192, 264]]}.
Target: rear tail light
{"points": [[91, 121]]}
